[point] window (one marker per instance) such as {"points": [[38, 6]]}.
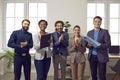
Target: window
{"points": [[37, 11], [16, 12], [110, 12], [115, 23], [13, 17], [94, 9]]}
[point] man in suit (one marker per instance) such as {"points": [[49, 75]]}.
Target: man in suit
{"points": [[21, 41], [60, 44], [98, 56]]}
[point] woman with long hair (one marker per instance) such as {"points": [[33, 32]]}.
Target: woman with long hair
{"points": [[77, 48]]}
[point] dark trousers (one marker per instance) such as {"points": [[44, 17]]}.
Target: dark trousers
{"points": [[42, 68], [20, 61], [96, 65]]}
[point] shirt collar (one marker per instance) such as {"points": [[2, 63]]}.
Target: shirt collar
{"points": [[59, 32], [24, 31]]}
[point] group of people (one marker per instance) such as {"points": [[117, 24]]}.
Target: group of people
{"points": [[22, 40]]}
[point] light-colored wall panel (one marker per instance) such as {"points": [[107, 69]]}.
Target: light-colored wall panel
{"points": [[1, 22], [73, 11]]}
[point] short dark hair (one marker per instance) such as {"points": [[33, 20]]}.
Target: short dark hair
{"points": [[59, 22], [43, 21], [76, 26], [97, 17], [26, 20]]}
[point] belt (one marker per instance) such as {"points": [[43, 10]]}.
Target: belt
{"points": [[21, 54], [24, 54]]}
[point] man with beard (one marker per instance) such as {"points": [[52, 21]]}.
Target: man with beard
{"points": [[21, 41], [60, 44]]}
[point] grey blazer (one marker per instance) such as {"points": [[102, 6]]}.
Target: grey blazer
{"points": [[102, 51], [77, 52]]}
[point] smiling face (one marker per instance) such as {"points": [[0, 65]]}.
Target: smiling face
{"points": [[97, 23], [42, 25], [76, 31], [25, 25], [59, 27]]}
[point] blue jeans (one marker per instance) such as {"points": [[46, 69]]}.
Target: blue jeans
{"points": [[42, 68]]}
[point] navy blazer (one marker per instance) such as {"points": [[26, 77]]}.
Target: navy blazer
{"points": [[102, 50], [60, 47]]}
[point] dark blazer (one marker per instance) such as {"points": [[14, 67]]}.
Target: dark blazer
{"points": [[102, 50], [60, 47]]}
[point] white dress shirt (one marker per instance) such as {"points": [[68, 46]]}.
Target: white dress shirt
{"points": [[40, 53]]}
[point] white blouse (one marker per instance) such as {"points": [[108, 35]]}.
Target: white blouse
{"points": [[39, 54]]}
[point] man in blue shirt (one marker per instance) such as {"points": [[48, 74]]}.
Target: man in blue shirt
{"points": [[21, 41], [98, 56]]}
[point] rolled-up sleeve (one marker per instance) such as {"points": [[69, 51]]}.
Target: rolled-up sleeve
{"points": [[36, 42]]}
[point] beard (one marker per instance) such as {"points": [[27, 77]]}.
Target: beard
{"points": [[25, 28], [59, 29]]}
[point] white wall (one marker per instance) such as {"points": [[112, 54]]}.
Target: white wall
{"points": [[1, 22], [73, 11]]}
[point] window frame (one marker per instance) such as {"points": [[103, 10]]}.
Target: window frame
{"points": [[96, 3], [107, 14], [118, 33], [26, 15]]}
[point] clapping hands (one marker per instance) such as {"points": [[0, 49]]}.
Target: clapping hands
{"points": [[61, 37], [23, 44]]}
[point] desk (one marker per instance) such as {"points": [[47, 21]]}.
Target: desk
{"points": [[117, 66], [114, 56]]}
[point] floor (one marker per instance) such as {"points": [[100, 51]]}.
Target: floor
{"points": [[9, 76]]}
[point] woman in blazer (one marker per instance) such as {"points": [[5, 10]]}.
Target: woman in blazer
{"points": [[42, 56], [77, 57]]}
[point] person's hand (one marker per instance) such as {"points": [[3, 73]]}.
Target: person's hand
{"points": [[76, 42], [61, 37], [50, 40], [90, 45], [23, 44], [75, 46]]}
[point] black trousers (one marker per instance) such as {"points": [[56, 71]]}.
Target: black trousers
{"points": [[95, 66], [20, 61]]}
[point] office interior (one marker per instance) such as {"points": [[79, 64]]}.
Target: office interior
{"points": [[77, 12]]}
